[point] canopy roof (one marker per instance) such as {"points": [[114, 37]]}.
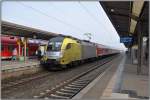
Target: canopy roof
{"points": [[125, 16]]}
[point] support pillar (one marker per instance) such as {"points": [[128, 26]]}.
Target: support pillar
{"points": [[19, 49], [25, 46], [139, 49], [19, 46]]}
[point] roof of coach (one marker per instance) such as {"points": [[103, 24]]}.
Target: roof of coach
{"points": [[10, 39]]}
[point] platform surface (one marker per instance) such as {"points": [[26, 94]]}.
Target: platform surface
{"points": [[117, 83], [135, 85], [9, 64]]}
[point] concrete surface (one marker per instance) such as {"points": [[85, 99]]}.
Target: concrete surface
{"points": [[133, 84], [15, 68], [5, 65], [119, 82], [103, 85]]}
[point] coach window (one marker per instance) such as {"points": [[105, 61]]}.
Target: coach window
{"points": [[2, 48], [10, 47]]}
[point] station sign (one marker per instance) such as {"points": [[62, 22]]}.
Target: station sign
{"points": [[127, 39]]}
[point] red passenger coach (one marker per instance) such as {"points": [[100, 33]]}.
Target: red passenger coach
{"points": [[101, 50], [8, 43], [7, 46]]}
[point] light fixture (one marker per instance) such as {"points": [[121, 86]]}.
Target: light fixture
{"points": [[145, 38], [112, 10]]}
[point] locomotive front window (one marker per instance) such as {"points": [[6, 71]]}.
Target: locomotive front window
{"points": [[55, 44]]}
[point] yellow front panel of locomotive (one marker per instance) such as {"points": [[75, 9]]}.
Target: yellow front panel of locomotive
{"points": [[72, 54]]}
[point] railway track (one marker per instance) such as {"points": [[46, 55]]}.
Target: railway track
{"points": [[25, 80], [69, 88]]}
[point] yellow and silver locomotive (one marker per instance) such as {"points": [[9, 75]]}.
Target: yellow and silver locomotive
{"points": [[61, 51]]}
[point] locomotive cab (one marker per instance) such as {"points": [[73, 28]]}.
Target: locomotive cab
{"points": [[61, 51], [54, 52]]}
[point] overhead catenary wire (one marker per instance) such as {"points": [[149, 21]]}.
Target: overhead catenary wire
{"points": [[111, 24], [51, 17], [52, 5], [58, 10], [30, 25], [64, 22], [94, 18], [89, 13]]}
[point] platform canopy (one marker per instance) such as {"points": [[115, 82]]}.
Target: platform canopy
{"points": [[125, 16], [24, 31]]}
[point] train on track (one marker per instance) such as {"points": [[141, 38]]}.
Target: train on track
{"points": [[65, 50], [8, 43]]}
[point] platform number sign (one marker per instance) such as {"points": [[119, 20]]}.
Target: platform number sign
{"points": [[126, 39]]}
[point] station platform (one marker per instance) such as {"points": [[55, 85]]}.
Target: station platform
{"points": [[120, 81], [16, 68]]}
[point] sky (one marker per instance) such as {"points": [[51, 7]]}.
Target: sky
{"points": [[74, 18]]}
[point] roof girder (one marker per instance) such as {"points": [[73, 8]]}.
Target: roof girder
{"points": [[136, 11]]}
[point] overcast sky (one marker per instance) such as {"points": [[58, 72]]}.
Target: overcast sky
{"points": [[70, 18]]}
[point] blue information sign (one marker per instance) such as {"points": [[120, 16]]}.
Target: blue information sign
{"points": [[126, 39]]}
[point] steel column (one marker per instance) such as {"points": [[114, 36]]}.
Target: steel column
{"points": [[139, 49], [25, 46]]}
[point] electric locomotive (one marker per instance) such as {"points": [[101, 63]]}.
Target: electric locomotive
{"points": [[61, 51]]}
